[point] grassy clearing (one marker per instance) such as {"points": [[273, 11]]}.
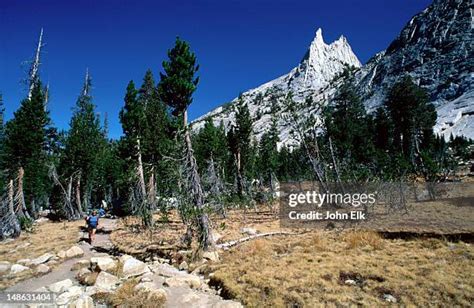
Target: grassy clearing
{"points": [[47, 237], [312, 269]]}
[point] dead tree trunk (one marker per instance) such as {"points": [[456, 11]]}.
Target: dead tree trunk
{"points": [[336, 167], [78, 196], [20, 197], [240, 185], [33, 76], [202, 220], [152, 190], [141, 174], [216, 187], [9, 224], [144, 205]]}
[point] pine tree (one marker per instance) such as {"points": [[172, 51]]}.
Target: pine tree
{"points": [[268, 153], [210, 143], [346, 125], [239, 143], [158, 141], [176, 88], [26, 147], [84, 144], [131, 117], [413, 118]]}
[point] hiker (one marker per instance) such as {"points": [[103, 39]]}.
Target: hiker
{"points": [[101, 212], [92, 225]]}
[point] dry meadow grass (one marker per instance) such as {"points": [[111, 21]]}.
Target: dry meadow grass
{"points": [[127, 296], [332, 267], [312, 269], [46, 237]]}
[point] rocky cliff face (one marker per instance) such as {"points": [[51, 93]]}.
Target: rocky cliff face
{"points": [[435, 48]]}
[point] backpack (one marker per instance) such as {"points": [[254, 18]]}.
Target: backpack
{"points": [[93, 221]]}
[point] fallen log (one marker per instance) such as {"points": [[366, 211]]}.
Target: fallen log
{"points": [[231, 244]]}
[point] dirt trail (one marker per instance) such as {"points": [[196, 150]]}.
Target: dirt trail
{"points": [[63, 271]]}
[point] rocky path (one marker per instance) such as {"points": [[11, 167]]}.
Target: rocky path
{"points": [[88, 270], [63, 271]]}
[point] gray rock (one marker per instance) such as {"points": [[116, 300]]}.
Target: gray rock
{"points": [[42, 269], [84, 301], [183, 266], [17, 268], [103, 263], [61, 254], [248, 231], [183, 280], [350, 282], [389, 298], [166, 270], [106, 281], [216, 236], [60, 286], [24, 262], [211, 256], [74, 251], [42, 259], [133, 267], [71, 294], [5, 267]]}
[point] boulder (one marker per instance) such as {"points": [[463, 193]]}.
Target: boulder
{"points": [[389, 298], [74, 251], [211, 256], [86, 277], [84, 301], [248, 231], [216, 236], [183, 266], [60, 286], [17, 268], [183, 280], [106, 281], [51, 263], [71, 294], [133, 267], [5, 267], [124, 258], [61, 254], [42, 259], [81, 264], [24, 262], [42, 269], [167, 270], [103, 264]]}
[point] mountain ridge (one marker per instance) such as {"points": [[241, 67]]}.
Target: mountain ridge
{"points": [[434, 48]]}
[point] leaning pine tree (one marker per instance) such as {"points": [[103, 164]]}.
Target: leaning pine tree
{"points": [[176, 88]]}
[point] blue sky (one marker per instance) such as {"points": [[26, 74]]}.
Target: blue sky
{"points": [[239, 44]]}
